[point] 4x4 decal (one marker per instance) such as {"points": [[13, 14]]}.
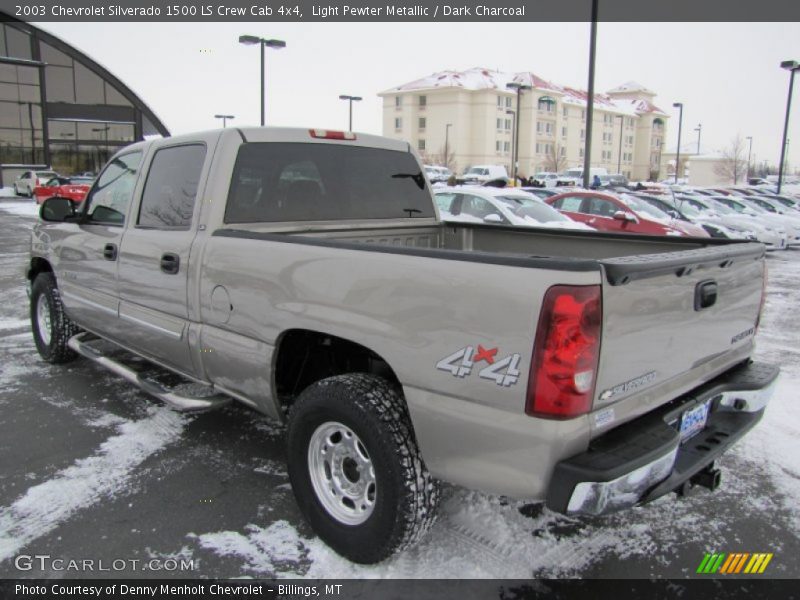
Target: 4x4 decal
{"points": [[504, 372]]}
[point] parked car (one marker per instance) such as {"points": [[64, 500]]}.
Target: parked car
{"points": [[608, 212], [683, 211], [472, 204], [746, 206], [541, 193], [74, 188], [437, 174], [545, 179], [773, 237], [484, 173], [25, 183]]}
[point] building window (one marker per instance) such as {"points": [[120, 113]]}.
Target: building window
{"points": [[499, 102], [583, 115], [498, 145], [538, 148], [580, 152], [508, 102], [398, 124], [583, 134], [563, 132], [423, 101], [546, 104], [499, 124], [420, 144], [538, 127], [506, 146], [398, 101], [422, 123], [562, 151], [508, 124], [565, 111]]}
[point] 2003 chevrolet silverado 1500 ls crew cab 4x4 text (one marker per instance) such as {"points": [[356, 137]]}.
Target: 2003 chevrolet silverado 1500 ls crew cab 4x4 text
{"points": [[306, 274]]}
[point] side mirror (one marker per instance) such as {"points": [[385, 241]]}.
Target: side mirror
{"points": [[56, 209], [493, 218], [621, 215]]}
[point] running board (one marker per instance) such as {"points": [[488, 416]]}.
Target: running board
{"points": [[79, 343]]}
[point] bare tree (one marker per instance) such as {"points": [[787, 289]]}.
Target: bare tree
{"points": [[440, 159], [555, 161], [733, 164]]}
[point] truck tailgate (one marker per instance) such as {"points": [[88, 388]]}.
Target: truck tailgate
{"points": [[672, 321]]}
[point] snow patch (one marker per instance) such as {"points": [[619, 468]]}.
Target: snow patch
{"points": [[21, 208], [45, 506]]}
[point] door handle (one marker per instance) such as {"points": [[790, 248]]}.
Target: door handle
{"points": [[170, 263], [110, 252]]}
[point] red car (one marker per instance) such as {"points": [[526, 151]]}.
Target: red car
{"points": [[74, 188], [619, 213]]}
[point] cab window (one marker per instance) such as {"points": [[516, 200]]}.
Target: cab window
{"points": [[109, 199]]}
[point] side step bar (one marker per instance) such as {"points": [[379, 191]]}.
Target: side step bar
{"points": [[79, 343]]}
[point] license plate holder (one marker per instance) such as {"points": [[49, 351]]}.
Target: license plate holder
{"points": [[693, 421]]}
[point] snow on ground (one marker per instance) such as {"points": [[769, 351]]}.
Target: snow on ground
{"points": [[23, 208], [47, 505]]}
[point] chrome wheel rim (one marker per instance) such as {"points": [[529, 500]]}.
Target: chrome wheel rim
{"points": [[43, 319], [342, 473]]}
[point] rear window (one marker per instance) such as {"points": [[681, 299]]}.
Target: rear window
{"points": [[284, 182]]}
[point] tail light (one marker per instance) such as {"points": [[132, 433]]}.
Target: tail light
{"points": [[327, 134], [763, 297], [565, 353]]}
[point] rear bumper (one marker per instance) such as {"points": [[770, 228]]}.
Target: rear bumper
{"points": [[645, 459]]}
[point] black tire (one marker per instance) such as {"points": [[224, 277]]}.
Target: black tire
{"points": [[406, 496], [53, 347]]}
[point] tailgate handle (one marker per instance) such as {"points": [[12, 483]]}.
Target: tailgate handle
{"points": [[705, 294]]}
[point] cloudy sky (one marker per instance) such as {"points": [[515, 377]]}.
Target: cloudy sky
{"points": [[726, 74]]}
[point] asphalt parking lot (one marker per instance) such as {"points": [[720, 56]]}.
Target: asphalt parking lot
{"points": [[93, 468]]}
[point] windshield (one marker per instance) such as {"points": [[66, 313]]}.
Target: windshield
{"points": [[723, 208], [642, 207], [533, 208], [687, 209]]}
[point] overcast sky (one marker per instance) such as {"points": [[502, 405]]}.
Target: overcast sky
{"points": [[726, 74]]}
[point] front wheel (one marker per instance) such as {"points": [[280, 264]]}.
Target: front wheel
{"points": [[51, 326], [356, 470]]}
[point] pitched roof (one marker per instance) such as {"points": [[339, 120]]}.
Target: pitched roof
{"points": [[478, 78]]}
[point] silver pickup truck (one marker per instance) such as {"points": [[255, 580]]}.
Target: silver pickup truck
{"points": [[306, 274]]}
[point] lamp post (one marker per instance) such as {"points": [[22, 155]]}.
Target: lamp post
{"points": [[587, 148], [225, 119], [678, 105], [699, 130], [518, 88], [619, 159], [446, 149], [791, 66], [513, 114], [350, 99], [749, 138], [249, 40]]}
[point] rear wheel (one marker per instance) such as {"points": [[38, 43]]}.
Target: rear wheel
{"points": [[51, 326], [356, 470]]}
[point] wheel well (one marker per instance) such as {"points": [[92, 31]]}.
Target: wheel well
{"points": [[305, 357], [38, 265]]}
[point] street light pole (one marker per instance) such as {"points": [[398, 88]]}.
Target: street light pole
{"points": [[587, 150], [446, 149], [350, 99], [680, 124], [513, 141], [518, 87], [249, 40], [699, 130], [225, 119], [619, 160], [749, 138], [791, 66]]}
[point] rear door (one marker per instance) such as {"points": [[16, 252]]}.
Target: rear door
{"points": [[154, 257]]}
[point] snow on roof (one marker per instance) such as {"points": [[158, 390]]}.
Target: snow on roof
{"points": [[631, 86], [479, 78]]}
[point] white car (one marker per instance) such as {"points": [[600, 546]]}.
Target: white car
{"points": [[437, 174], [773, 237], [748, 207], [544, 179], [483, 173], [501, 206], [24, 184]]}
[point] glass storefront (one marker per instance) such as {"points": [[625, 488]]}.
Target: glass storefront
{"points": [[59, 109]]}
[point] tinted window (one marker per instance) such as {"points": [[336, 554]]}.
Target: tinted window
{"points": [[600, 207], [109, 199], [277, 182], [570, 203], [171, 187]]}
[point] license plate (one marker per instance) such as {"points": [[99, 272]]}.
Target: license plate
{"points": [[693, 421]]}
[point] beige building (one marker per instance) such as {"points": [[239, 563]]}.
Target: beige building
{"points": [[473, 112]]}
